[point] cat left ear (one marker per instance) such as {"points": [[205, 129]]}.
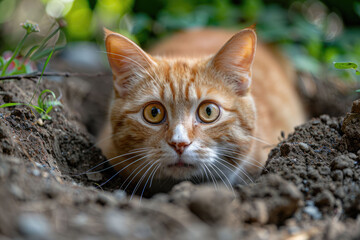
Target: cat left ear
{"points": [[235, 59], [126, 60]]}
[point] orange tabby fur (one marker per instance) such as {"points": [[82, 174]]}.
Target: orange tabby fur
{"points": [[181, 73]]}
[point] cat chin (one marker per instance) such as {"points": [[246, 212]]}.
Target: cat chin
{"points": [[180, 172]]}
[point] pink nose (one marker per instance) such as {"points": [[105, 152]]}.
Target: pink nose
{"points": [[179, 146]]}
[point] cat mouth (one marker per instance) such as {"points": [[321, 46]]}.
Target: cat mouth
{"points": [[181, 165]]}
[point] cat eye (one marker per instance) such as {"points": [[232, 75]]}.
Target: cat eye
{"points": [[208, 112], [154, 113]]}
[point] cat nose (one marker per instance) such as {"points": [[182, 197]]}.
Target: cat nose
{"points": [[179, 146]]}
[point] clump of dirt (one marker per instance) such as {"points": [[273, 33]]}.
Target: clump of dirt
{"points": [[310, 188], [322, 159]]}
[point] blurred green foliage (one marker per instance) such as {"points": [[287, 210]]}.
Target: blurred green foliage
{"points": [[11, 63], [314, 33]]}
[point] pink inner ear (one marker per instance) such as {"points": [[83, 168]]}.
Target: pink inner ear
{"points": [[238, 52], [125, 58], [235, 58], [125, 55]]}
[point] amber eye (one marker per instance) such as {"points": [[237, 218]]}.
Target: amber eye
{"points": [[154, 113], [208, 112]]}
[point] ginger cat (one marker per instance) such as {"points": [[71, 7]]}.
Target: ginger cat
{"points": [[200, 106]]}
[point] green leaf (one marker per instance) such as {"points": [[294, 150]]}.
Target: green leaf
{"points": [[32, 49], [2, 61], [22, 104], [357, 72], [37, 56], [345, 65], [42, 72], [48, 110], [41, 100]]}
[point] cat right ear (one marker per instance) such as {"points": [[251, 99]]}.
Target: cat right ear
{"points": [[126, 60], [234, 60]]}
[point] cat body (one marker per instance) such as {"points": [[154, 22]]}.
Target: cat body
{"points": [[198, 106]]}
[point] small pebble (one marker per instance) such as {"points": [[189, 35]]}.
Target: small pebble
{"points": [[39, 165], [40, 122], [352, 155], [94, 176], [304, 147], [315, 122], [120, 194], [16, 191], [118, 223], [36, 172], [313, 212], [34, 226]]}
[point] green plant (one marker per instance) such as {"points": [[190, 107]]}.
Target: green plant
{"points": [[47, 98], [30, 28], [15, 64], [46, 101], [346, 66]]}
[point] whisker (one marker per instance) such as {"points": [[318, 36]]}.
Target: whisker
{"points": [[152, 178], [211, 175], [218, 158], [244, 172], [212, 167], [250, 162], [225, 177], [141, 179], [147, 181], [134, 175], [238, 167], [230, 150], [259, 140], [147, 60], [142, 164], [204, 171], [129, 153], [122, 170]]}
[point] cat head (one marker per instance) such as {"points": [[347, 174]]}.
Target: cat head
{"points": [[181, 118]]}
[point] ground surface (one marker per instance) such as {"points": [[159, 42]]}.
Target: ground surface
{"points": [[310, 188]]}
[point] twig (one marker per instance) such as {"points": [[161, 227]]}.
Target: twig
{"points": [[53, 74]]}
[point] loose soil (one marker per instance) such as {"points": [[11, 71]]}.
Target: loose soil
{"points": [[310, 188]]}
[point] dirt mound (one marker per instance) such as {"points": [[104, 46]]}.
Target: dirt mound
{"points": [[310, 188]]}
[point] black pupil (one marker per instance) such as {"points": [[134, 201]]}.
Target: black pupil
{"points": [[155, 111], [208, 110]]}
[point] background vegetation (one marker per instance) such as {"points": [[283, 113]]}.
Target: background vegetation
{"points": [[314, 33]]}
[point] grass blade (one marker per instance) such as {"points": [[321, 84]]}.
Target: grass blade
{"points": [[42, 72], [40, 110], [345, 65]]}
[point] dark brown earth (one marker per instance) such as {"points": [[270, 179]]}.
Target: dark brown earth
{"points": [[310, 188]]}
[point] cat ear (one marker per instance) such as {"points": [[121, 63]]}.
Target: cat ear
{"points": [[235, 59], [126, 60]]}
